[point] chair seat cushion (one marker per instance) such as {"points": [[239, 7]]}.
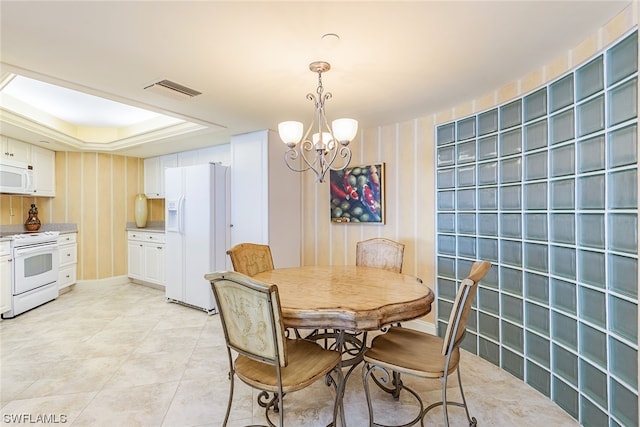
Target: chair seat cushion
{"points": [[412, 352], [307, 363]]}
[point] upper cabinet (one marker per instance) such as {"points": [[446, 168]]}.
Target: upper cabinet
{"points": [[154, 174], [44, 171], [16, 150]]}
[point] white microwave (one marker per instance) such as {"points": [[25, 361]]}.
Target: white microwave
{"points": [[16, 177]]}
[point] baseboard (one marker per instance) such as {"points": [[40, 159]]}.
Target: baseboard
{"points": [[117, 280], [421, 325]]}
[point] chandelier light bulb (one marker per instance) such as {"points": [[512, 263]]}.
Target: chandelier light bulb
{"points": [[290, 132], [344, 130]]}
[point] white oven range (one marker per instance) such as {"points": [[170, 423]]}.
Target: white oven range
{"points": [[35, 271]]}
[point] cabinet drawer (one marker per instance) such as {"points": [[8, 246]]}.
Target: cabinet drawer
{"points": [[66, 276], [5, 248], [68, 255], [69, 238], [141, 236]]}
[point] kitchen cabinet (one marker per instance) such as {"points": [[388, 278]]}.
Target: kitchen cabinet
{"points": [[15, 150], [146, 256], [44, 171], [68, 250], [154, 174], [265, 197], [213, 154], [6, 276]]}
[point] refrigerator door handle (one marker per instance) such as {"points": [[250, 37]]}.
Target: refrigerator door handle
{"points": [[181, 215]]}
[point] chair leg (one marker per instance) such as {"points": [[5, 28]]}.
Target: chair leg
{"points": [[226, 417], [366, 370], [444, 401], [472, 420], [338, 405]]}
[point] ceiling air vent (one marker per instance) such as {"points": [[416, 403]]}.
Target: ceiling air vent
{"points": [[172, 89]]}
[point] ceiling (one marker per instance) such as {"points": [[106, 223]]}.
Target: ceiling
{"points": [[394, 60]]}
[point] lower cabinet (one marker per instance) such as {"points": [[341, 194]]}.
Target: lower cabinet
{"points": [[146, 256], [6, 276], [68, 250]]}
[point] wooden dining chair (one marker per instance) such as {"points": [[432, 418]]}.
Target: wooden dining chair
{"points": [[406, 351], [381, 253], [251, 318], [251, 258]]}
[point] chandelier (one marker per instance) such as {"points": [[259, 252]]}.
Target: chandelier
{"points": [[321, 144]]}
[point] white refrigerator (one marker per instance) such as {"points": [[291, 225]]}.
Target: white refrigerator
{"points": [[197, 231]]}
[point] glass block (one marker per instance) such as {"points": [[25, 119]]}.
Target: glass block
{"points": [[565, 364], [472, 321], [622, 190], [446, 244], [489, 351], [488, 173], [590, 116], [535, 105], [488, 148], [592, 416], [512, 335], [537, 287], [535, 166], [467, 247], [464, 267], [513, 363], [466, 223], [446, 288], [538, 349], [491, 278], [539, 378], [466, 128], [445, 134], [536, 257], [622, 59], [466, 152], [535, 226], [488, 249], [622, 146], [591, 154], [466, 200], [591, 268], [562, 194], [511, 225], [591, 192], [446, 156], [623, 233], [447, 267], [590, 78], [565, 397], [564, 330], [442, 328], [591, 230], [488, 198], [623, 361], [488, 224], [624, 403], [444, 309], [592, 306], [623, 102], [562, 228], [446, 178], [510, 198], [593, 345], [470, 343], [511, 253], [446, 200], [512, 309], [563, 296], [535, 135], [488, 122], [537, 318], [563, 160], [489, 326], [511, 142], [511, 280], [563, 262], [446, 222], [511, 170], [489, 301], [623, 275], [511, 114], [623, 318], [561, 93], [535, 196], [561, 127], [593, 383], [466, 176]]}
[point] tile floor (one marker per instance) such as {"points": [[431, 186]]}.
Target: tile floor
{"points": [[120, 355]]}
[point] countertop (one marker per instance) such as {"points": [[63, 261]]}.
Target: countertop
{"points": [[63, 228], [152, 226]]}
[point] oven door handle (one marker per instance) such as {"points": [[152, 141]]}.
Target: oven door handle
{"points": [[35, 249]]}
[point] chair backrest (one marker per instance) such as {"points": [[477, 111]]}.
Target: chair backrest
{"points": [[462, 306], [251, 317], [251, 258], [380, 252]]}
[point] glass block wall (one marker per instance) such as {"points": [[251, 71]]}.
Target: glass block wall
{"points": [[545, 187]]}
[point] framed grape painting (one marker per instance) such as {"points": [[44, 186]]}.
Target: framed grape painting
{"points": [[357, 194]]}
